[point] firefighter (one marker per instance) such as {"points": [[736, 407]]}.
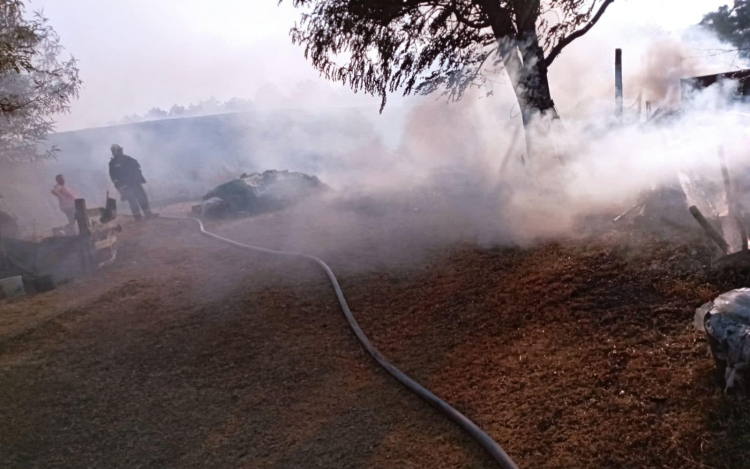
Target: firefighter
{"points": [[128, 179]]}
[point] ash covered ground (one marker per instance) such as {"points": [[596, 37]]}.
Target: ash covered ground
{"points": [[188, 353]]}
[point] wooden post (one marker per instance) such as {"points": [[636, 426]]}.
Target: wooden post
{"points": [[709, 229], [618, 83], [727, 181], [640, 107], [110, 210], [743, 233], [6, 266], [84, 234], [82, 218]]}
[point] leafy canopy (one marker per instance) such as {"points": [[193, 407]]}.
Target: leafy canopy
{"points": [[380, 46], [732, 25], [35, 83]]}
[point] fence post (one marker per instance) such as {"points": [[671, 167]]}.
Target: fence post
{"points": [[618, 83], [85, 248]]}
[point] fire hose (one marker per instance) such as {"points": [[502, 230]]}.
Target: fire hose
{"points": [[457, 417]]}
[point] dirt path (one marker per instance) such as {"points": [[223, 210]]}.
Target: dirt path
{"points": [[187, 353]]}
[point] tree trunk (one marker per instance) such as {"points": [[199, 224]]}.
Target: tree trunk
{"points": [[523, 58], [535, 99], [533, 85]]}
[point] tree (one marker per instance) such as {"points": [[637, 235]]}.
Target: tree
{"points": [[206, 107], [425, 45], [35, 84], [732, 25], [177, 111], [238, 104], [156, 113], [210, 106]]}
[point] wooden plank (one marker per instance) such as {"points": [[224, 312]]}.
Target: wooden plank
{"points": [[712, 232], [110, 225], [111, 259], [105, 243], [94, 212]]}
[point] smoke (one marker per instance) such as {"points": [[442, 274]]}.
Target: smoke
{"points": [[428, 173], [654, 61], [664, 65]]}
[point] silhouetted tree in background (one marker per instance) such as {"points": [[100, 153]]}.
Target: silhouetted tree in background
{"points": [[209, 106], [380, 46], [156, 113]]}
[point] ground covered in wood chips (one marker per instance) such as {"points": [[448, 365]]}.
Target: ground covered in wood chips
{"points": [[188, 353]]}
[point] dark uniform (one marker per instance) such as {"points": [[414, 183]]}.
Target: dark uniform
{"points": [[127, 177]]}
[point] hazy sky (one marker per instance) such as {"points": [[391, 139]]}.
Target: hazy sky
{"points": [[138, 54]]}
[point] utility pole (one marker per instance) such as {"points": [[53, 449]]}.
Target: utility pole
{"points": [[618, 83]]}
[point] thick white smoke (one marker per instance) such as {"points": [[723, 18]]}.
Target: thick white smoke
{"points": [[464, 160]]}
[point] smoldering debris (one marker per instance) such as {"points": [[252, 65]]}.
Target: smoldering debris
{"points": [[726, 322], [666, 204], [258, 193], [603, 168]]}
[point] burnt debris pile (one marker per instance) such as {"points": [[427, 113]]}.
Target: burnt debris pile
{"points": [[258, 193], [726, 322]]}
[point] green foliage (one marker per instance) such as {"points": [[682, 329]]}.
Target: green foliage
{"points": [[380, 46], [34, 83], [732, 25]]}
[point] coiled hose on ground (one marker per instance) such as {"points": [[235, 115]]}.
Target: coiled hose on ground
{"points": [[477, 433]]}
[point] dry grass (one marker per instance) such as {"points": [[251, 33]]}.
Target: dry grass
{"points": [[190, 354]]}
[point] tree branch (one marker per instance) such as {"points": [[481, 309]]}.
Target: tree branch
{"points": [[575, 35], [465, 20], [499, 19]]}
